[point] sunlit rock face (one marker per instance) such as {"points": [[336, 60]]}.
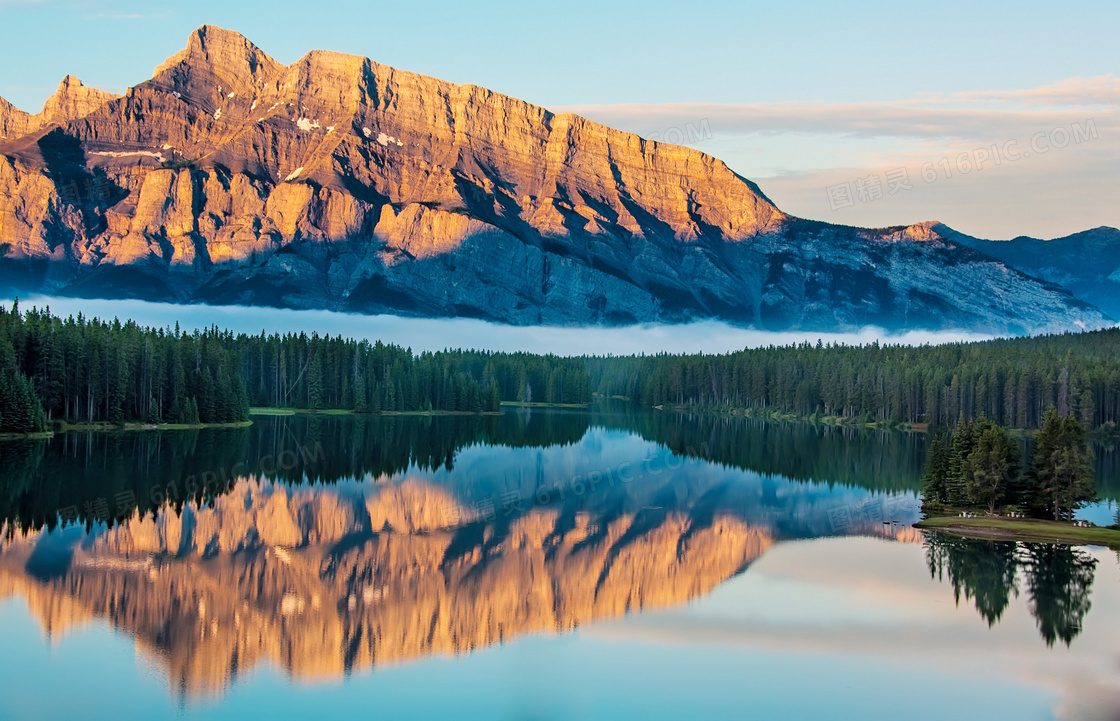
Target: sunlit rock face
{"points": [[71, 101], [340, 183], [321, 582]]}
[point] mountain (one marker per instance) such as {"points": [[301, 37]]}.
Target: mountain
{"points": [[339, 183], [72, 100], [1086, 263]]}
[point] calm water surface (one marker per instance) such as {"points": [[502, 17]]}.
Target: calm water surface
{"points": [[540, 565]]}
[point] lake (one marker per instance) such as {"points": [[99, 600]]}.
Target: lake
{"points": [[535, 565]]}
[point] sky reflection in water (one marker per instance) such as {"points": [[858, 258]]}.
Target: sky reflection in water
{"points": [[699, 582]]}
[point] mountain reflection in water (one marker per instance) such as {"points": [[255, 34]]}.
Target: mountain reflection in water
{"points": [[328, 545]]}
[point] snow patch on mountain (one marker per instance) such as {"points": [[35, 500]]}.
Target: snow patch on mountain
{"points": [[387, 140]]}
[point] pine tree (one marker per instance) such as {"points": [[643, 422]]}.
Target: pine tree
{"points": [[360, 403], [934, 483], [206, 407], [315, 382], [1087, 410], [495, 404], [993, 466], [960, 447], [1061, 474]]}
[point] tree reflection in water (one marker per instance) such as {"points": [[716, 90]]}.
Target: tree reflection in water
{"points": [[1057, 579]]}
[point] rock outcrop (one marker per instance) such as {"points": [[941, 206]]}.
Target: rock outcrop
{"points": [[71, 101], [340, 183]]}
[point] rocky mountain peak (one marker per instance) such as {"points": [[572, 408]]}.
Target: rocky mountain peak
{"points": [[13, 121], [71, 101], [336, 182], [216, 62]]}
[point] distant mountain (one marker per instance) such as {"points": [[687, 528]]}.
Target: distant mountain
{"points": [[1087, 263], [339, 183]]}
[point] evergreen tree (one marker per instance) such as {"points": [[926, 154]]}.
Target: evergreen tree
{"points": [[1061, 473], [495, 404], [315, 382], [1087, 410], [993, 467], [961, 444], [934, 483]]}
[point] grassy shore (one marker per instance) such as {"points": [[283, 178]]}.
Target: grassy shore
{"points": [[771, 414], [345, 412], [522, 404], [25, 436], [64, 427], [1103, 434], [1023, 529]]}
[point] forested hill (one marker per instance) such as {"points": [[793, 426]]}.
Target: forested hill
{"points": [[84, 370], [1010, 381], [93, 371]]}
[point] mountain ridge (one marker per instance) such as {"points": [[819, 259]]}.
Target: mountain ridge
{"points": [[339, 183], [1086, 263]]}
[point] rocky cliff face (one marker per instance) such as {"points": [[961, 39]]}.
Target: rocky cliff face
{"points": [[339, 183], [322, 583], [1086, 263]]}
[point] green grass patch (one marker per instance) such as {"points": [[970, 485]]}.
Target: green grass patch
{"points": [[437, 413], [1023, 529], [25, 436], [773, 414], [188, 426], [346, 412]]}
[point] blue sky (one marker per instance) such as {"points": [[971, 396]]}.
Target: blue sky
{"points": [[815, 68]]}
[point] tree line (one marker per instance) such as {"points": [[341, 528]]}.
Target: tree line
{"points": [[81, 369], [319, 372], [980, 465], [92, 371], [1009, 381]]}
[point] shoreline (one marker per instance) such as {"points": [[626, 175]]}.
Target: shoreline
{"points": [[1101, 434], [1023, 529], [262, 411], [764, 414], [61, 427], [524, 404]]}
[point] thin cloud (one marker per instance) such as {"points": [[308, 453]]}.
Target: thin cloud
{"points": [[966, 114], [796, 150], [1098, 90], [867, 120]]}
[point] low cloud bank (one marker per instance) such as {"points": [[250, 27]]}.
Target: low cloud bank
{"points": [[432, 334]]}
